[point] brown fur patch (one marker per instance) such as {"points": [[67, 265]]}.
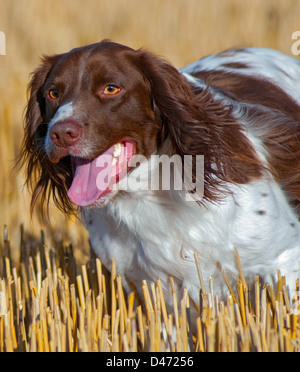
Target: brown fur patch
{"points": [[252, 90], [274, 117]]}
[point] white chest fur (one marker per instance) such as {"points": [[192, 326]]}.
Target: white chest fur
{"points": [[154, 235]]}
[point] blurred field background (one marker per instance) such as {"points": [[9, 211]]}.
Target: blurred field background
{"points": [[180, 30]]}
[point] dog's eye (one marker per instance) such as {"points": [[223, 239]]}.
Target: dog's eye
{"points": [[111, 89], [53, 94]]}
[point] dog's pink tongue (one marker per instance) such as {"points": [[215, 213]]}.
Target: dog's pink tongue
{"points": [[91, 179]]}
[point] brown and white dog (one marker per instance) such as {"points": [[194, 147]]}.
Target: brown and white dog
{"points": [[92, 110]]}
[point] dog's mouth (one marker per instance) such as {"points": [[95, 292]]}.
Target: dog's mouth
{"points": [[93, 179]]}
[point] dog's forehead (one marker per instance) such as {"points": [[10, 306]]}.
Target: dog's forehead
{"points": [[107, 56], [97, 63]]}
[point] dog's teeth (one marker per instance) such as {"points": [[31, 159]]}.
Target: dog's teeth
{"points": [[117, 150], [114, 162]]}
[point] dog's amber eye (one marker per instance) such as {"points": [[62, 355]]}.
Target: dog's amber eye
{"points": [[111, 89], [53, 94]]}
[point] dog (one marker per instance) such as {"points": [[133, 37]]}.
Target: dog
{"points": [[102, 122]]}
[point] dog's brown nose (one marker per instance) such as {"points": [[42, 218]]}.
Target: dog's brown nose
{"points": [[65, 133]]}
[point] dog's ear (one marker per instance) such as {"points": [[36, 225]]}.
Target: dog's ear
{"points": [[42, 177], [199, 124], [172, 96], [36, 102]]}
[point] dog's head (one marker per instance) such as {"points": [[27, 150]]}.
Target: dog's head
{"points": [[89, 111]]}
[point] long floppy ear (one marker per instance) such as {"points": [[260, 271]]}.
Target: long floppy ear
{"points": [[42, 177], [197, 124]]}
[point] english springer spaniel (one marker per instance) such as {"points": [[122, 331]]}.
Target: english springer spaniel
{"points": [[100, 119]]}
